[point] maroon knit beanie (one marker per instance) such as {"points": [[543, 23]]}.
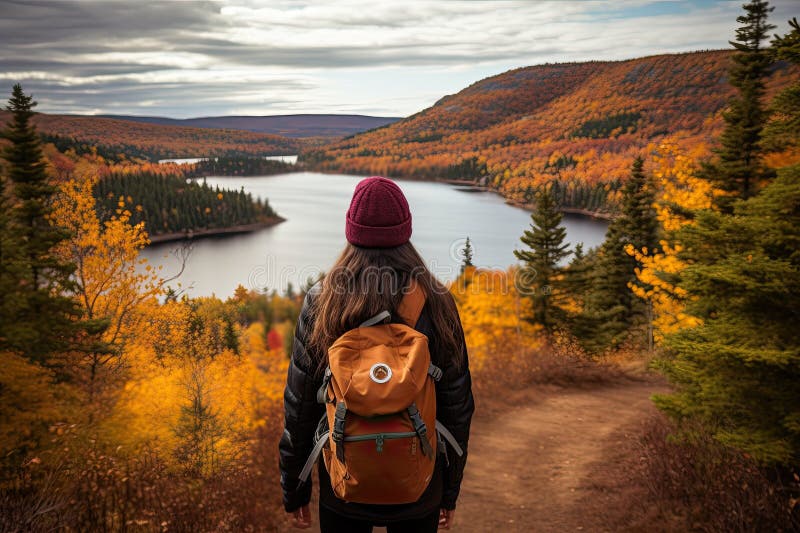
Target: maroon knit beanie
{"points": [[378, 216]]}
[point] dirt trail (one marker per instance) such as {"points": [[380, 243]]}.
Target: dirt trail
{"points": [[542, 466], [534, 468]]}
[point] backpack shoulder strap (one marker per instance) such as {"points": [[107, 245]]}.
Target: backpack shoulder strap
{"points": [[411, 305]]}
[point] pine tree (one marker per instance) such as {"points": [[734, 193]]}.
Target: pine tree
{"points": [[466, 256], [541, 273], [783, 131], [198, 428], [610, 308], [739, 371], [637, 208], [738, 169], [44, 318], [12, 267], [576, 279]]}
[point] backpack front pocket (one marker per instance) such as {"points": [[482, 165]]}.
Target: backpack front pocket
{"points": [[387, 466]]}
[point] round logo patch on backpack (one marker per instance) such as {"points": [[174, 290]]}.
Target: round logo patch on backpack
{"points": [[380, 373]]}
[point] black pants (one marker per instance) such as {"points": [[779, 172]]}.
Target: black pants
{"points": [[331, 522]]}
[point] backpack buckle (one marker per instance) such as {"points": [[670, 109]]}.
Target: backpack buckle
{"points": [[322, 392], [420, 429], [338, 423], [338, 430], [435, 372]]}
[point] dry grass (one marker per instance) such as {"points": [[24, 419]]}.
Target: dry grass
{"points": [[693, 483], [560, 364]]}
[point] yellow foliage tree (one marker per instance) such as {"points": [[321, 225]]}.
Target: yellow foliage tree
{"points": [[492, 314], [190, 394], [151, 364], [112, 281], [679, 192]]}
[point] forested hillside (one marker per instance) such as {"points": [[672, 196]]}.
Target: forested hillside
{"points": [[153, 142], [303, 125], [577, 124]]}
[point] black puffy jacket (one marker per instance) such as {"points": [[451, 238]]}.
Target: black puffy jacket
{"points": [[454, 408]]}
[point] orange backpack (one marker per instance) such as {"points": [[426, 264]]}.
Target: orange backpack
{"points": [[380, 400]]}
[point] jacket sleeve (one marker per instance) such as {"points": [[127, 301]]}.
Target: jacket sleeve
{"points": [[301, 415], [454, 406]]}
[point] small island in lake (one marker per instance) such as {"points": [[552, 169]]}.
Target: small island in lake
{"points": [[175, 207]]}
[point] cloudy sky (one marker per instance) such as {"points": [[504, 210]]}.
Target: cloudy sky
{"points": [[393, 58]]}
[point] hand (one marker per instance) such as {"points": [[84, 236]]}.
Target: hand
{"points": [[447, 518], [301, 518]]}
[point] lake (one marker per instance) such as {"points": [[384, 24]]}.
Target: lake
{"points": [[291, 159], [309, 241]]}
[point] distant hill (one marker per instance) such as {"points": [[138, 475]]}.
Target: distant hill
{"points": [[155, 141], [286, 125], [578, 124]]}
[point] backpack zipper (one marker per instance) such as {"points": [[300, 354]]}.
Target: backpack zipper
{"points": [[379, 438]]}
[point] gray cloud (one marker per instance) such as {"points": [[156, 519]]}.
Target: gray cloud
{"points": [[25, 22], [65, 68], [189, 58], [120, 97]]}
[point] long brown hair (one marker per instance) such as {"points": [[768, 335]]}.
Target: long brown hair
{"points": [[365, 281]]}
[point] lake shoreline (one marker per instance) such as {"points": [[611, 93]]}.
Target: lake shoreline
{"points": [[595, 215], [464, 183], [598, 215], [210, 232]]}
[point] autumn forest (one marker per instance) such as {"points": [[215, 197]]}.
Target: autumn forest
{"points": [[126, 404]]}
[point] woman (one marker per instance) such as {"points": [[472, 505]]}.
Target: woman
{"points": [[377, 264]]}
